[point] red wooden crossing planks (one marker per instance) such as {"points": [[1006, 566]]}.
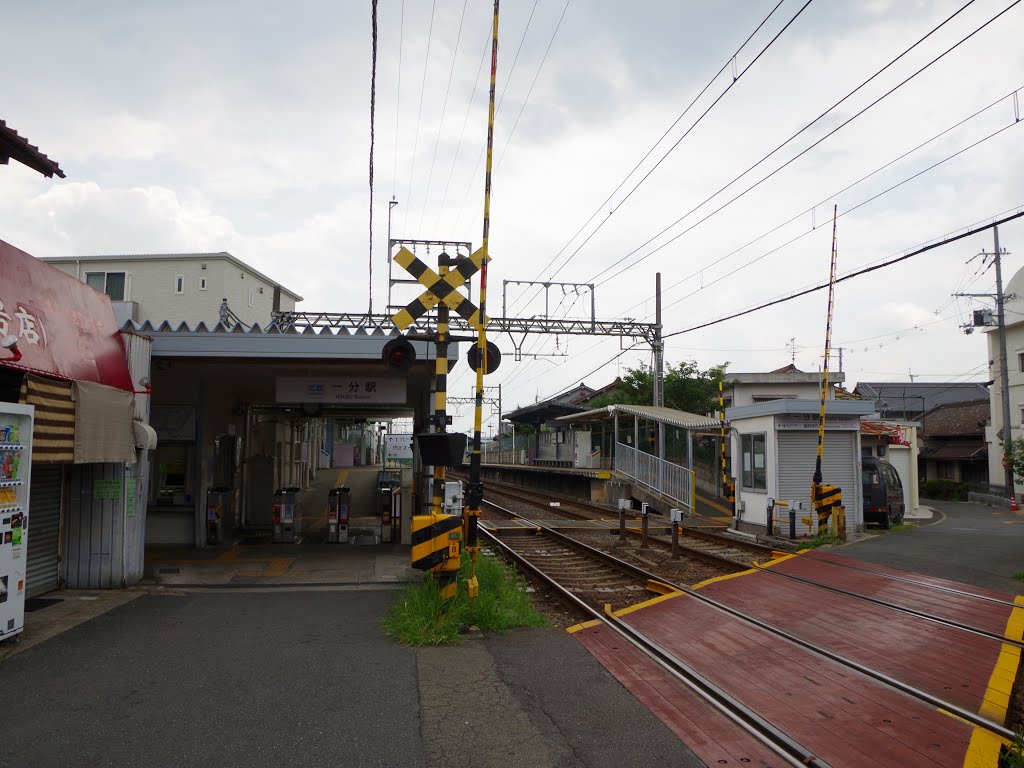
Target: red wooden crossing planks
{"points": [[702, 728], [830, 714], [848, 562], [944, 661], [983, 614]]}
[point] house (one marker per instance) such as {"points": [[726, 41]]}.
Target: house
{"points": [[954, 446], [1014, 321], [180, 287], [787, 383], [909, 400]]}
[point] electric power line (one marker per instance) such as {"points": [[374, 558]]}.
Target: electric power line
{"points": [[654, 146], [419, 116], [848, 276], [802, 152], [444, 108]]}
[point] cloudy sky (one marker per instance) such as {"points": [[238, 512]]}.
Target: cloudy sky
{"points": [[244, 126]]}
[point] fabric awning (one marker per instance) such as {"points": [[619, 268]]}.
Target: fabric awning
{"points": [[103, 424], [53, 437]]}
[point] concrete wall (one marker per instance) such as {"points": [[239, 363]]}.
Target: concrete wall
{"points": [[743, 394]]}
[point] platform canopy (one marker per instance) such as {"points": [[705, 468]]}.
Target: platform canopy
{"points": [[661, 414]]}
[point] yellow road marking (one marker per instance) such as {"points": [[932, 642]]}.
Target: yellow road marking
{"points": [[716, 505], [585, 625], [983, 751]]}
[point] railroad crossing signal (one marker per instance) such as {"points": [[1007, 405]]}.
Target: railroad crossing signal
{"points": [[439, 288]]}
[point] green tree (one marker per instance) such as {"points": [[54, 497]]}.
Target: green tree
{"points": [[1016, 460], [687, 388]]}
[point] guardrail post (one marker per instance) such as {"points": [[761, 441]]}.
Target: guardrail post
{"points": [[643, 525], [622, 519]]}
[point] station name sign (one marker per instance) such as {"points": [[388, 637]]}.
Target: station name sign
{"points": [[354, 390], [804, 421]]}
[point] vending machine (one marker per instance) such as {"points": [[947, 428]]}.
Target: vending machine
{"points": [[15, 466]]}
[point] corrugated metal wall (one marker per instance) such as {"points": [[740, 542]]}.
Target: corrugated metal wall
{"points": [[95, 541], [137, 348], [105, 517]]}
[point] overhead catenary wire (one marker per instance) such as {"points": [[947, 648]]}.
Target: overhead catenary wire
{"points": [[848, 187], [462, 133], [855, 207], [848, 276], [844, 213], [501, 98], [444, 109], [419, 115], [655, 145], [800, 154], [536, 75], [953, 236]]}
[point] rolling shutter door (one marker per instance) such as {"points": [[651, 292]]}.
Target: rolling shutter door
{"points": [[43, 566], [796, 458]]}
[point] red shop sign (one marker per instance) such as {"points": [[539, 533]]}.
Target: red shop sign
{"points": [[64, 328]]}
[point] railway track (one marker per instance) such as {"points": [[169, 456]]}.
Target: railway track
{"points": [[708, 547], [566, 576]]}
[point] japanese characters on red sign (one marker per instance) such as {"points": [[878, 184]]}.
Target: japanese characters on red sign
{"points": [[64, 328]]}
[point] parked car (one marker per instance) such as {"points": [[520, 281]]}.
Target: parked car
{"points": [[883, 493]]}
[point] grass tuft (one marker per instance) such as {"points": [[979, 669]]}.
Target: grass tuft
{"points": [[1019, 575], [1012, 755], [821, 540], [418, 616]]}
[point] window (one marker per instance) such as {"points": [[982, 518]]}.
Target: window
{"points": [[202, 283], [1020, 361], [727, 402], [770, 398], [754, 474], [110, 283], [179, 283], [250, 297]]}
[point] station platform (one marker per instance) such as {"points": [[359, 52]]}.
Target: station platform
{"points": [[845, 717]]}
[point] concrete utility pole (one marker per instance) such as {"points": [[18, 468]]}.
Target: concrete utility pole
{"points": [[1004, 372]]}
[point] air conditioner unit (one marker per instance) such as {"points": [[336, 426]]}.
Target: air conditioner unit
{"points": [[983, 317]]}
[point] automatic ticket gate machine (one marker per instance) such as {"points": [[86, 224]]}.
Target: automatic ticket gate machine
{"points": [[339, 502], [389, 502]]}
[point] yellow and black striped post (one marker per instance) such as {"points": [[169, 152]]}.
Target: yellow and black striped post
{"points": [[436, 547], [820, 494], [446, 571], [826, 498], [728, 489], [475, 491]]}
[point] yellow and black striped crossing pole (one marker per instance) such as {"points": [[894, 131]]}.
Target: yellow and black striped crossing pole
{"points": [[728, 489], [475, 491], [447, 571], [825, 497]]}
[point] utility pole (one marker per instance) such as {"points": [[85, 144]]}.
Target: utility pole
{"points": [[1004, 373], [659, 347]]}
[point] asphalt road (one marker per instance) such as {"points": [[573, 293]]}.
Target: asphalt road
{"points": [[965, 542], [305, 678]]}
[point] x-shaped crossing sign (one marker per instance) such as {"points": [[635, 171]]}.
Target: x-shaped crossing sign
{"points": [[438, 288]]}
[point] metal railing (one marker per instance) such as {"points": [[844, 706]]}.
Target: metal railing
{"points": [[668, 479]]}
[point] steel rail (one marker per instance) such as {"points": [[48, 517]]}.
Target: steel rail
{"points": [[743, 717], [897, 607], [708, 557], [971, 717], [917, 582]]}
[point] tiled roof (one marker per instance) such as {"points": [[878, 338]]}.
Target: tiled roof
{"points": [[14, 146], [916, 397], [956, 419]]}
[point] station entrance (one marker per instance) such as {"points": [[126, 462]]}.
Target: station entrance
{"points": [[282, 445]]}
